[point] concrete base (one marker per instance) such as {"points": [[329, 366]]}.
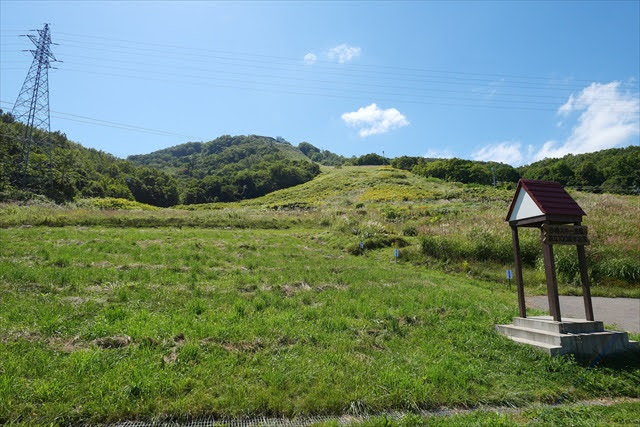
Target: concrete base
{"points": [[571, 336]]}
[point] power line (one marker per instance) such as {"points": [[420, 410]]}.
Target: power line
{"points": [[413, 88], [107, 123], [339, 74], [500, 75], [342, 90], [155, 65], [291, 92], [250, 62]]}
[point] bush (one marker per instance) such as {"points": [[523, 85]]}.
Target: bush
{"points": [[409, 230], [377, 242], [112, 203], [479, 246], [625, 269], [567, 265]]}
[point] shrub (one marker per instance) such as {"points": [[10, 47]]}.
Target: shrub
{"points": [[409, 230], [625, 269], [567, 265], [376, 242], [480, 247], [113, 203]]}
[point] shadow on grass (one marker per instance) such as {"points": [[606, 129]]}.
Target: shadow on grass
{"points": [[629, 360]]}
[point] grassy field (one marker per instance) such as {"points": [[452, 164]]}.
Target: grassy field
{"points": [[574, 415], [269, 307]]}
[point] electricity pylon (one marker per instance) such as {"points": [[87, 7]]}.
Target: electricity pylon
{"points": [[32, 105]]}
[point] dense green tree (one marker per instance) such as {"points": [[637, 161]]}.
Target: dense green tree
{"points": [[68, 170], [588, 174], [370, 159], [324, 157], [153, 187], [614, 170], [466, 171], [405, 162]]}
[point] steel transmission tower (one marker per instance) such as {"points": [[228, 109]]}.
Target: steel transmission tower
{"points": [[32, 105]]}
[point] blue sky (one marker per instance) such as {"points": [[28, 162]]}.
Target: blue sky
{"points": [[512, 82]]}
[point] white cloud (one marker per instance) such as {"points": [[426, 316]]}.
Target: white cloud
{"points": [[608, 118], [343, 53], [310, 58], [503, 152], [438, 154], [372, 120]]}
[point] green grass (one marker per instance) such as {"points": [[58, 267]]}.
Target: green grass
{"points": [[275, 322], [461, 228], [268, 307], [619, 414]]}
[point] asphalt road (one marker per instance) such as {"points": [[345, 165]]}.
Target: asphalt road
{"points": [[621, 312]]}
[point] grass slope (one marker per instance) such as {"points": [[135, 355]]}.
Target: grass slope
{"points": [[268, 307], [251, 322]]}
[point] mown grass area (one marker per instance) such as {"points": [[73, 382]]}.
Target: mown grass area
{"points": [[452, 227], [269, 307], [102, 324], [618, 414]]}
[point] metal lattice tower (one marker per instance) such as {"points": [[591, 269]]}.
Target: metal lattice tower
{"points": [[32, 105]]}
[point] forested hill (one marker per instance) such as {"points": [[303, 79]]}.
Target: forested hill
{"points": [[232, 167], [226, 169], [616, 170], [73, 171]]}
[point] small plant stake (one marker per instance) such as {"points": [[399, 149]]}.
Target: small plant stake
{"points": [[509, 277]]}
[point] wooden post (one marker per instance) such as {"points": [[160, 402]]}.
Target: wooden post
{"points": [[586, 289], [517, 258], [552, 285]]}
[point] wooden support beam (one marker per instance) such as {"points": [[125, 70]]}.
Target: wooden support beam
{"points": [[552, 285], [586, 288], [517, 258]]}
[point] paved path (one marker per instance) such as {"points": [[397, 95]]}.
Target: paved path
{"points": [[622, 312]]}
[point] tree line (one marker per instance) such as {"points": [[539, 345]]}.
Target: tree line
{"points": [[234, 168], [615, 170]]}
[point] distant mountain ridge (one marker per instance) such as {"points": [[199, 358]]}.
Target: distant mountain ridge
{"points": [[231, 168]]}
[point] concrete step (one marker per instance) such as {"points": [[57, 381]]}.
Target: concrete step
{"points": [[608, 342], [550, 349], [567, 326], [530, 334], [591, 343]]}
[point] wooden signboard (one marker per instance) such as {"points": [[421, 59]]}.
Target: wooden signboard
{"points": [[564, 234], [547, 205]]}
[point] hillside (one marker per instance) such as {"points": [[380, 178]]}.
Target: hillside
{"points": [[117, 313], [74, 171], [226, 169], [197, 159], [231, 168], [451, 226], [616, 170]]}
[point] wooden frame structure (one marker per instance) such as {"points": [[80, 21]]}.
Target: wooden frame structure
{"points": [[547, 206]]}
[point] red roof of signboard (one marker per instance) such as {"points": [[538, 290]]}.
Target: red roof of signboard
{"points": [[550, 196]]}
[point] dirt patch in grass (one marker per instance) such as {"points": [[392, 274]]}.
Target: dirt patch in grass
{"points": [[146, 243], [64, 344], [118, 341], [251, 346], [290, 290]]}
